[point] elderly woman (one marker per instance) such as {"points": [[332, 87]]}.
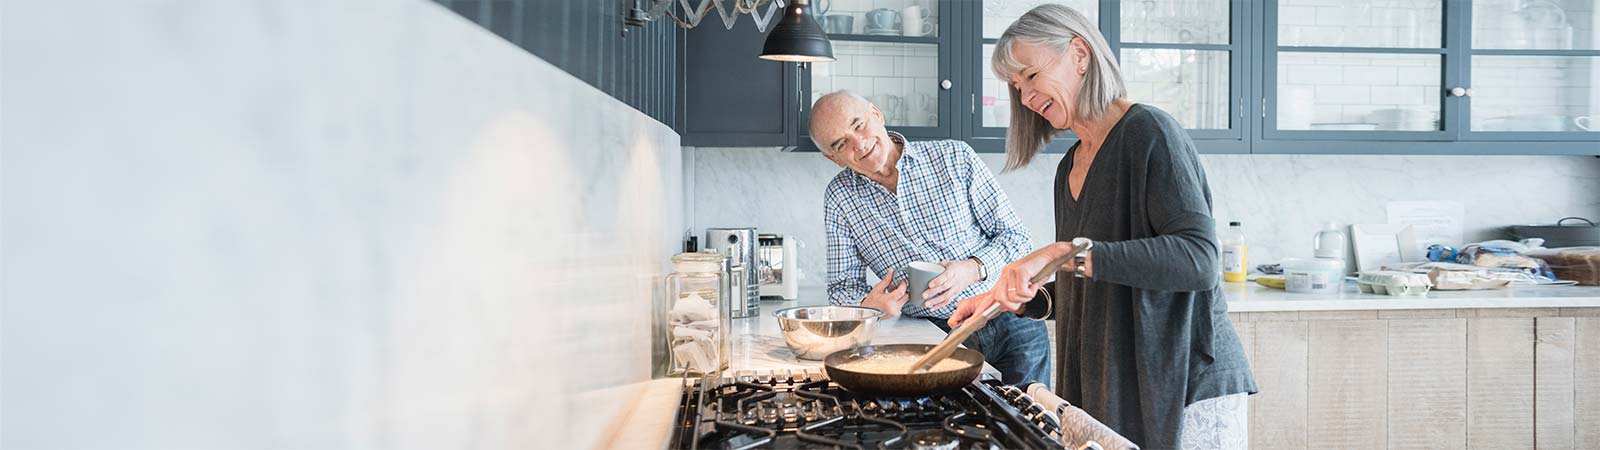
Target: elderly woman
{"points": [[1145, 342]]}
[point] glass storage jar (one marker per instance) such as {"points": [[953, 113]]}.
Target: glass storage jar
{"points": [[697, 319]]}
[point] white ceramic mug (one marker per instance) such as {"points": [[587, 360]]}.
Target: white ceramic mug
{"points": [[914, 21], [882, 20], [919, 274], [890, 105], [1584, 123]]}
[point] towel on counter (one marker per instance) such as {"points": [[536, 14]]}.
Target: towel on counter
{"points": [[1079, 430], [695, 334]]}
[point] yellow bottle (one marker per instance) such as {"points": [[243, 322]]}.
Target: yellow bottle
{"points": [[1233, 253]]}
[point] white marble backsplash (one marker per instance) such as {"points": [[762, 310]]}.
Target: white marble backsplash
{"points": [[350, 224], [1281, 199]]}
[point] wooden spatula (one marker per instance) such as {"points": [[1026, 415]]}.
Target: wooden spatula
{"points": [[957, 336]]}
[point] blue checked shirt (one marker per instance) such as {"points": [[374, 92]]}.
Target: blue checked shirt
{"points": [[947, 207]]}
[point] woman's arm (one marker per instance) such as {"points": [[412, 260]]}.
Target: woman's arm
{"points": [[1183, 255]]}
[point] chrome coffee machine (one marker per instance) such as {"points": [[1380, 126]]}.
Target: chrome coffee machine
{"points": [[739, 245]]}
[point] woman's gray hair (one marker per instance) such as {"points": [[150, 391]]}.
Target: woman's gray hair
{"points": [[1053, 26]]}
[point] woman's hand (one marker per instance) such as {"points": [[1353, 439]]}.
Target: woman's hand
{"points": [[1014, 286]]}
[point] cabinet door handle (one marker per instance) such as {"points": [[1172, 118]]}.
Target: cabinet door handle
{"points": [[1459, 91], [946, 84]]}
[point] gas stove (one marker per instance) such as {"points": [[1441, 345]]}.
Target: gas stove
{"points": [[802, 409]]}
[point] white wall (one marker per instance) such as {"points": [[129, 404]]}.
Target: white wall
{"points": [[1281, 199], [319, 225]]}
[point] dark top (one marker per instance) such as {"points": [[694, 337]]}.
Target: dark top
{"points": [[1149, 334]]}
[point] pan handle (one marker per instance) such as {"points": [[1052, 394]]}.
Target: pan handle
{"points": [[1563, 221]]}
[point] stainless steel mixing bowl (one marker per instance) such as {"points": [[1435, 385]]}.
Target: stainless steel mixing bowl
{"points": [[813, 332]]}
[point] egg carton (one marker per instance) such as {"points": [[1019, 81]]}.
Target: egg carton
{"points": [[1389, 282]]}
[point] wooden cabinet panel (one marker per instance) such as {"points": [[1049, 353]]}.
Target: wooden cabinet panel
{"points": [[1496, 380], [1427, 384], [1586, 383], [1500, 383], [1347, 384], [1552, 377], [1278, 413]]}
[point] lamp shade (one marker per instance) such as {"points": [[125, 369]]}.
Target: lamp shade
{"points": [[797, 37]]}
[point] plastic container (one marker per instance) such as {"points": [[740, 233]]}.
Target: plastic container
{"points": [[697, 320], [1234, 267], [1313, 276]]}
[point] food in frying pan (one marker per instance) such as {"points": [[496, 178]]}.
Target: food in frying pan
{"points": [[897, 363]]}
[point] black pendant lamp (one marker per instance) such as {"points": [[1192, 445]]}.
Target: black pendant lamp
{"points": [[797, 37]]}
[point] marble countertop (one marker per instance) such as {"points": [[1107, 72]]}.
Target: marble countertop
{"points": [[1251, 297], [757, 345]]}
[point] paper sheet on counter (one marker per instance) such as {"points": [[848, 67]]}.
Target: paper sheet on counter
{"points": [[1432, 222]]}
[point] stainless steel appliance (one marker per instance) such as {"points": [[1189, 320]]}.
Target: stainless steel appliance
{"points": [[798, 408], [779, 266], [739, 245]]}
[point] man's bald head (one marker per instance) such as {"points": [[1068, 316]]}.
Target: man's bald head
{"points": [[828, 111]]}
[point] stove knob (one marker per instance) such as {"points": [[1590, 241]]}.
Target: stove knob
{"points": [[1031, 410], [934, 440]]}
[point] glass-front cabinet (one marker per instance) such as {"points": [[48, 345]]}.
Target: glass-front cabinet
{"points": [[1277, 76], [1357, 69], [1535, 67], [1430, 76], [989, 101], [1178, 55], [892, 52], [1185, 57]]}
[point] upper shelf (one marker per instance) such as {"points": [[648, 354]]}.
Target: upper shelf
{"points": [[885, 38]]}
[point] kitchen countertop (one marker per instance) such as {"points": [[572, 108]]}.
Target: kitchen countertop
{"points": [[757, 345], [1251, 297]]}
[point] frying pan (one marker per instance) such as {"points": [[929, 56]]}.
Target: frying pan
{"points": [[902, 384], [917, 383]]}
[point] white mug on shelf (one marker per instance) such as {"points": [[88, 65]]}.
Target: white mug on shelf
{"points": [[890, 105], [914, 21], [1585, 123]]}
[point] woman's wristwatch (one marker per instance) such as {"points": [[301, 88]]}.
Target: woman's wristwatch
{"points": [[1080, 266]]}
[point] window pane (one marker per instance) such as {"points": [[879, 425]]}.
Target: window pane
{"points": [[1175, 21], [872, 17], [1192, 85], [1361, 23], [995, 103], [902, 79], [1535, 93], [998, 14], [1358, 91], [1535, 24]]}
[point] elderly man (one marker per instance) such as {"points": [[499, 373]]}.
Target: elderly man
{"points": [[899, 201]]}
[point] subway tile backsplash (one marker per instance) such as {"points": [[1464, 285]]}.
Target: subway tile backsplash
{"points": [[902, 79], [1282, 199]]}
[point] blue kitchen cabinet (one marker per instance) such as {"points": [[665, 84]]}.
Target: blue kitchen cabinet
{"points": [[1430, 77], [1284, 77], [731, 98]]}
